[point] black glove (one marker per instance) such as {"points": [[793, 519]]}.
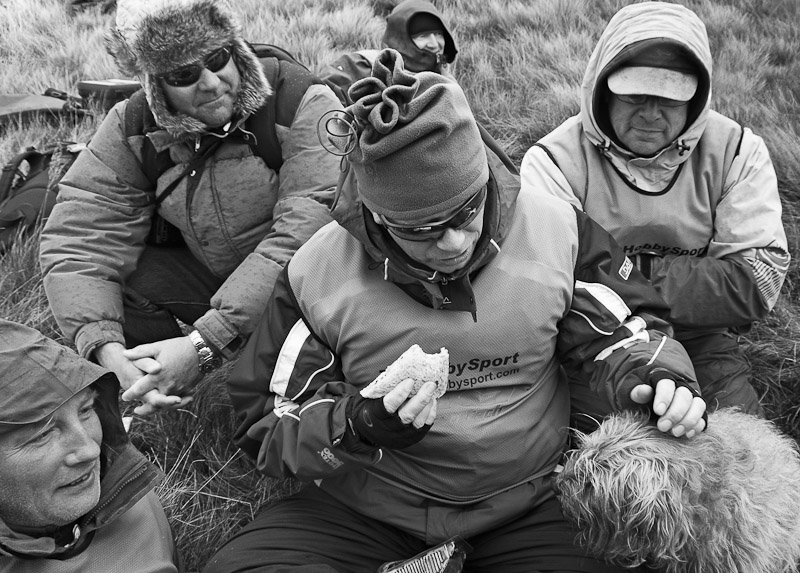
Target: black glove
{"points": [[372, 424]]}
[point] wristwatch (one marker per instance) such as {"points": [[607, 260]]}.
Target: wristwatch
{"points": [[209, 360]]}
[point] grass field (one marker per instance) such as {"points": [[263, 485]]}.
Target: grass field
{"points": [[521, 63]]}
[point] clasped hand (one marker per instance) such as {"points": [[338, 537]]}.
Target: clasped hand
{"points": [[162, 374]]}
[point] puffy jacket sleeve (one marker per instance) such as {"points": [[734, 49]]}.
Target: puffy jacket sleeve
{"points": [[615, 334], [307, 182], [741, 277], [85, 265], [289, 396]]}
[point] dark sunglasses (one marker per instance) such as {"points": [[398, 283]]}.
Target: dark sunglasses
{"points": [[435, 229], [639, 99], [188, 75]]}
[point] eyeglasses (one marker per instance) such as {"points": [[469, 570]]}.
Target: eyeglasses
{"points": [[434, 230], [639, 99], [188, 75]]}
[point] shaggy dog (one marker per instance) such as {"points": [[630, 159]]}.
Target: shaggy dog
{"points": [[725, 501]]}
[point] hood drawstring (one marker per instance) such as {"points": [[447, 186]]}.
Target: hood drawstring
{"points": [[682, 147]]}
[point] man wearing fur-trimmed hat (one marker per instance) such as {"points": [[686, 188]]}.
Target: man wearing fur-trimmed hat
{"points": [[434, 244], [75, 495], [689, 194], [241, 198]]}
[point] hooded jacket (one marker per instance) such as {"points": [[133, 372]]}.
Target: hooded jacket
{"points": [[243, 220], [353, 66], [703, 215], [127, 530], [543, 283]]}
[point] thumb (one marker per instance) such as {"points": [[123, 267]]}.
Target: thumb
{"points": [[642, 394], [141, 351]]}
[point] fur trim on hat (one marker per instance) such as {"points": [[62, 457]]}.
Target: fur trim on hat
{"points": [[174, 35]]}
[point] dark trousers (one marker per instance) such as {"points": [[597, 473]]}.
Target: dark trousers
{"points": [[722, 372], [312, 532], [169, 283]]}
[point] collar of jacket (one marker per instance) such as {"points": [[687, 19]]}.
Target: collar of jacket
{"points": [[125, 477], [162, 139], [427, 286]]}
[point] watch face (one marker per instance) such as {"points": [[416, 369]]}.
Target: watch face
{"points": [[209, 361]]}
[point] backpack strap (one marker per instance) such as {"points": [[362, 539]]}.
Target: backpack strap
{"points": [[262, 122], [289, 80], [139, 120]]}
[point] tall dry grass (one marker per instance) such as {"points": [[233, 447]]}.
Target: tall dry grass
{"points": [[521, 63]]}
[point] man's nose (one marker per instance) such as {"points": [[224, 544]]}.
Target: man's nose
{"points": [[430, 41], [83, 447], [208, 80], [452, 240], [651, 108]]}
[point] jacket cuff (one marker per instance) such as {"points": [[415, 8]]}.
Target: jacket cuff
{"points": [[218, 333], [95, 334]]}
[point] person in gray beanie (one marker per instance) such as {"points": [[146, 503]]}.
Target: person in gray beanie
{"points": [[221, 145], [75, 495], [417, 30], [435, 249]]}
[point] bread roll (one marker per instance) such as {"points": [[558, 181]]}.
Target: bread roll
{"points": [[416, 364]]}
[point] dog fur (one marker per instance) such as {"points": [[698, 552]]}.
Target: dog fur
{"points": [[725, 501]]}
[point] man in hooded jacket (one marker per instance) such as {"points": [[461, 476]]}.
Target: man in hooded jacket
{"points": [[453, 256], [75, 495], [416, 29], [241, 218], [689, 194]]}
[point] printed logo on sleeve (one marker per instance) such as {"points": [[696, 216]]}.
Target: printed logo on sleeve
{"points": [[625, 269]]}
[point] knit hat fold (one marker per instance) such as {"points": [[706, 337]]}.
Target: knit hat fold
{"points": [[418, 151]]}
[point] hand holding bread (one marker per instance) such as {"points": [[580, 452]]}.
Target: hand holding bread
{"points": [[398, 408]]}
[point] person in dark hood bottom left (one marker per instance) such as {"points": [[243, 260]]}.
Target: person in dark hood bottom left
{"points": [[75, 495]]}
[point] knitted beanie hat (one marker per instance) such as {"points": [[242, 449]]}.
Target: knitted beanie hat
{"points": [[418, 151], [152, 37]]}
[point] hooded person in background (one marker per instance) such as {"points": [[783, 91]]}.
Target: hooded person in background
{"points": [[238, 218], [416, 29], [689, 194], [75, 495], [453, 256]]}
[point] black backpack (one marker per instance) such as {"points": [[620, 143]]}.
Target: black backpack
{"points": [[28, 188], [29, 182]]}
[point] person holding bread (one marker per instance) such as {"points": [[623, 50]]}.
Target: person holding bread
{"points": [[435, 245]]}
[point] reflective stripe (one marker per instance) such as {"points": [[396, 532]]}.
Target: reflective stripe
{"points": [[638, 328], [606, 297], [288, 357], [286, 364]]}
